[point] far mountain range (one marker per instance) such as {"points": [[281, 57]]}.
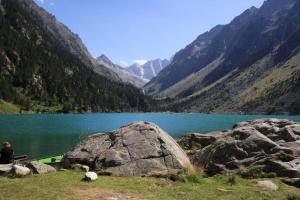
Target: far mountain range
{"points": [[136, 74]]}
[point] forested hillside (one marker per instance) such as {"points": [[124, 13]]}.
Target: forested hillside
{"points": [[39, 74]]}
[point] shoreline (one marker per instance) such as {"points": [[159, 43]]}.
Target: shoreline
{"points": [[168, 113]]}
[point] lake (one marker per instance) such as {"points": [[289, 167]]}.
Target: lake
{"points": [[46, 135]]}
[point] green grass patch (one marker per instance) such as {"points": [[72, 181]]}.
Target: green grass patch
{"points": [[68, 185], [8, 108]]}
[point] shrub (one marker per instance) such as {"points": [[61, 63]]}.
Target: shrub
{"points": [[190, 177], [193, 178], [284, 157], [256, 172], [232, 180]]}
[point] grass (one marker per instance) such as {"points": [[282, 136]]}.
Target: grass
{"points": [[8, 108], [67, 185], [271, 77]]}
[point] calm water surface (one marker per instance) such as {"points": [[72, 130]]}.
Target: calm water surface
{"points": [[47, 135]]}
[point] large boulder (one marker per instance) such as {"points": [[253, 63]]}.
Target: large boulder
{"points": [[240, 148], [40, 168], [138, 149], [273, 143]]}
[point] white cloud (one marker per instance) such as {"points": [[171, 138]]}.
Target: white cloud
{"points": [[124, 63], [51, 3], [140, 61], [41, 1]]}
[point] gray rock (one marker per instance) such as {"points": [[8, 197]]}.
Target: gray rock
{"points": [[85, 168], [274, 143], [241, 148], [79, 167], [138, 149], [267, 185], [198, 141], [283, 169], [18, 170], [292, 181], [293, 146], [275, 129], [6, 167], [278, 123], [90, 176], [295, 128], [39, 168]]}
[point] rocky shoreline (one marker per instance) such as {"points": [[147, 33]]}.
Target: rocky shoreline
{"points": [[258, 149], [271, 144]]}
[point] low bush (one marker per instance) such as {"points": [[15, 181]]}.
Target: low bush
{"points": [[192, 178], [256, 172], [232, 180]]}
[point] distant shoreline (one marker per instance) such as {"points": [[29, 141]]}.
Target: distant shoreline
{"points": [[185, 113]]}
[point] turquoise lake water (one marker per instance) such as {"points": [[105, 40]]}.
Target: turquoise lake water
{"points": [[47, 135]]}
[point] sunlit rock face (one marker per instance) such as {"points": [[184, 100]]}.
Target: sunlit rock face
{"points": [[138, 149]]}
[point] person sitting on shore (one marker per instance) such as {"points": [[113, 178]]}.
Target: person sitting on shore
{"points": [[7, 154]]}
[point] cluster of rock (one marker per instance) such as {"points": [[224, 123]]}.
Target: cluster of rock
{"points": [[272, 143], [143, 149], [26, 169], [138, 149]]}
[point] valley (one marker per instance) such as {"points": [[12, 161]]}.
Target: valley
{"points": [[251, 66]]}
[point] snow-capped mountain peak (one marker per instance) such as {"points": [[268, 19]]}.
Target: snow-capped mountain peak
{"points": [[149, 69]]}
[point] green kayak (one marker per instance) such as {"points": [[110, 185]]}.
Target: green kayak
{"points": [[50, 160]]}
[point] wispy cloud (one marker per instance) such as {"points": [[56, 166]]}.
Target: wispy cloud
{"points": [[51, 3], [41, 1], [140, 61]]}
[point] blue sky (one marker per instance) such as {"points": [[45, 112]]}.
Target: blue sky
{"points": [[129, 30]]}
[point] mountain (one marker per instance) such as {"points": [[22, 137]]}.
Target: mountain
{"points": [[67, 39], [44, 67], [251, 65], [125, 76], [148, 70]]}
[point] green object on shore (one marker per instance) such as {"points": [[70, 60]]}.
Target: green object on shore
{"points": [[50, 160]]}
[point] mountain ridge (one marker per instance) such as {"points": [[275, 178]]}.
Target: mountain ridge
{"points": [[148, 70], [39, 74], [125, 76], [217, 75], [67, 39]]}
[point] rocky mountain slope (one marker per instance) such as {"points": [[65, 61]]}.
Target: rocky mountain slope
{"points": [[66, 38], [251, 64], [44, 67], [126, 76], [148, 70]]}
